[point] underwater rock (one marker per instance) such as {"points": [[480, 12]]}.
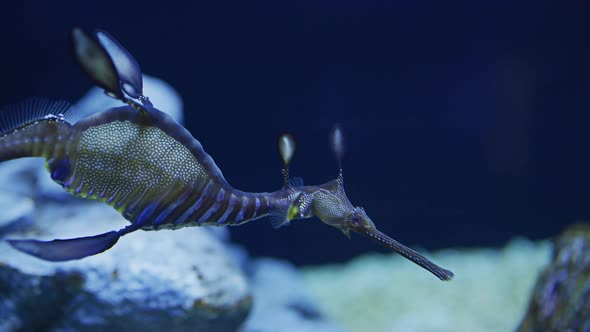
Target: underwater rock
{"points": [[17, 182], [16, 213], [19, 176], [182, 280], [280, 304], [561, 297]]}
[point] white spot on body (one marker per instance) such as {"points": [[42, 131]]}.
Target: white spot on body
{"points": [[121, 156]]}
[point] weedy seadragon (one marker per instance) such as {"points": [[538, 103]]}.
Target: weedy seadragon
{"points": [[138, 160]]}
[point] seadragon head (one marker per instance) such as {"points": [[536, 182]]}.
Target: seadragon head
{"points": [[329, 203]]}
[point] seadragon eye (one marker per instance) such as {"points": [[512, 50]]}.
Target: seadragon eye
{"points": [[355, 220]]}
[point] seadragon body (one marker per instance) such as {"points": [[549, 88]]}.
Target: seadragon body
{"points": [[138, 160]]}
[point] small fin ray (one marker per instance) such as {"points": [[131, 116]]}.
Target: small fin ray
{"points": [[34, 109], [296, 182], [279, 217], [68, 249]]}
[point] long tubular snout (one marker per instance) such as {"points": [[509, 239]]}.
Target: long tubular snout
{"points": [[383, 239]]}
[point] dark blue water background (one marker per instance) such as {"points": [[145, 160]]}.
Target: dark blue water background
{"points": [[466, 123]]}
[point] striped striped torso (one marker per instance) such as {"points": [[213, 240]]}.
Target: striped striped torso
{"points": [[210, 204], [153, 171]]}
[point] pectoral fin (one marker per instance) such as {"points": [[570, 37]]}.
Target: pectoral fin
{"points": [[69, 249]]}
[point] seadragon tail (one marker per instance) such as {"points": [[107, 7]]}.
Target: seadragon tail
{"points": [[35, 128]]}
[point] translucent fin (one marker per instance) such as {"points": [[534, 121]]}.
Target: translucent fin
{"points": [[31, 110], [279, 217], [65, 250], [346, 232], [127, 67], [296, 182], [286, 210]]}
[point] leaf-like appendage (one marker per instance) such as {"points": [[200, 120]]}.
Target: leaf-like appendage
{"points": [[96, 62], [126, 66]]}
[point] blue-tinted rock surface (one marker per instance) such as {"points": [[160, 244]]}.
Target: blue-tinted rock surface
{"points": [[17, 212], [561, 298], [280, 303], [150, 281]]}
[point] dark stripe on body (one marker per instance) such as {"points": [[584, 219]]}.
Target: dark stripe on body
{"points": [[231, 205], [165, 202], [208, 215], [243, 209], [187, 215], [161, 218]]}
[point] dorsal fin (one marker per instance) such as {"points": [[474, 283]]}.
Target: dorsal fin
{"points": [[31, 110], [296, 182]]}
